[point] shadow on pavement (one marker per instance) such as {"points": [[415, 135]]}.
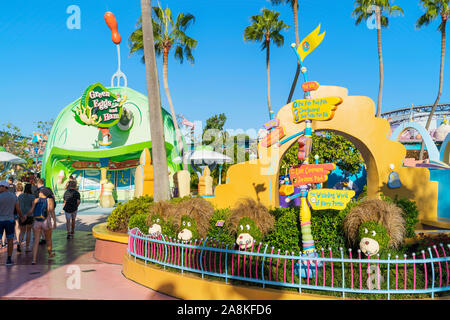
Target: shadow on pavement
{"points": [[78, 250]]}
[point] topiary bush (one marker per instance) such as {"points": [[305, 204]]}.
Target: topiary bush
{"points": [[139, 221], [119, 217], [223, 234], [327, 228], [411, 216], [411, 213], [286, 234]]}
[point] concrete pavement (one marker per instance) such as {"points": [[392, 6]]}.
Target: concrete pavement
{"points": [[73, 273]]}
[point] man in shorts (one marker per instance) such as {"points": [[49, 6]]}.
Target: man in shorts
{"points": [[8, 202], [72, 200]]}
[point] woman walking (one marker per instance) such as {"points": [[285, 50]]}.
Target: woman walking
{"points": [[18, 190], [26, 202], [71, 204], [43, 211]]}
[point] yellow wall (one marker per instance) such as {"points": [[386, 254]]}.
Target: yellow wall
{"points": [[190, 287], [354, 119]]}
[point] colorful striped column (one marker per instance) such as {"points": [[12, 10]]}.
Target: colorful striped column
{"points": [[305, 224]]}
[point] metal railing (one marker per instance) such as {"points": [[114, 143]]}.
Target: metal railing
{"points": [[320, 272]]}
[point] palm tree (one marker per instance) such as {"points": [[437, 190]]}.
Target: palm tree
{"points": [[433, 10], [159, 158], [266, 27], [168, 34], [294, 5], [363, 11]]}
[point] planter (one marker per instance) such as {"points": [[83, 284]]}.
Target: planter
{"points": [[109, 246]]}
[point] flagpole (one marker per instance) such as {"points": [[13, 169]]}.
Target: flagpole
{"points": [[302, 68]]}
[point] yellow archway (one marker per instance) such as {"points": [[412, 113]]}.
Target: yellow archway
{"points": [[258, 179]]}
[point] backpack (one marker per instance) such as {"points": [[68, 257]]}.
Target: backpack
{"points": [[40, 212]]}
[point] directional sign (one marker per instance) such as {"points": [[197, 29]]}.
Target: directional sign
{"points": [[310, 173], [315, 109], [273, 136], [322, 199], [272, 124], [310, 86]]}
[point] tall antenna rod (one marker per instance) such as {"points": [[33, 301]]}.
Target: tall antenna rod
{"points": [[111, 22]]}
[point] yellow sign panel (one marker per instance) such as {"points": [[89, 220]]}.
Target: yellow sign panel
{"points": [[315, 109], [322, 199]]}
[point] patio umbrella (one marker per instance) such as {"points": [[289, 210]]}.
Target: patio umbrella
{"points": [[205, 157], [9, 159]]}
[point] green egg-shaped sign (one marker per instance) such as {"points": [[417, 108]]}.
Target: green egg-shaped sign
{"points": [[99, 107]]}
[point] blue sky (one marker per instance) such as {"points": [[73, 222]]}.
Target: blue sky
{"points": [[45, 66]]}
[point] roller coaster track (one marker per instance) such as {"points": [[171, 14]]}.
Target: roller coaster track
{"points": [[418, 113]]}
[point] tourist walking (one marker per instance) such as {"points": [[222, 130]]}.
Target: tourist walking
{"points": [[40, 184], [26, 202], [19, 191], [43, 211], [8, 202], [72, 200], [11, 186]]}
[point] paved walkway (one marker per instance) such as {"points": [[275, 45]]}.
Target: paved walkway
{"points": [[73, 273]]}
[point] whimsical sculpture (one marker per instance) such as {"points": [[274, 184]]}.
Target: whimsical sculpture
{"points": [[106, 198], [444, 129], [162, 218], [375, 225], [205, 183], [193, 216], [252, 221], [143, 178], [156, 224], [188, 229], [182, 181]]}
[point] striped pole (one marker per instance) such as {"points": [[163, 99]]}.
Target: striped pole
{"points": [[305, 224]]}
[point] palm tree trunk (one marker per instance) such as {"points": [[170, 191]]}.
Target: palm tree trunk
{"points": [[380, 57], [268, 76], [297, 42], [441, 84], [172, 110], [159, 157]]}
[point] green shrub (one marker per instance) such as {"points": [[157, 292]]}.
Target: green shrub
{"points": [[119, 217], [139, 221], [411, 213], [223, 234], [286, 233], [327, 227]]}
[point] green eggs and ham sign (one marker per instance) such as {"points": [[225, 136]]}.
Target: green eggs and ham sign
{"points": [[99, 107]]}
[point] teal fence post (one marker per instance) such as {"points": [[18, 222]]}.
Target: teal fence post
{"points": [[262, 266], [182, 256], [145, 250], [300, 272], [432, 273], [165, 249], [201, 256], [134, 247], [388, 274], [343, 272], [226, 264]]}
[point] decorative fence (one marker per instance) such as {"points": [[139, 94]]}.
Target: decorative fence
{"points": [[323, 272]]}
